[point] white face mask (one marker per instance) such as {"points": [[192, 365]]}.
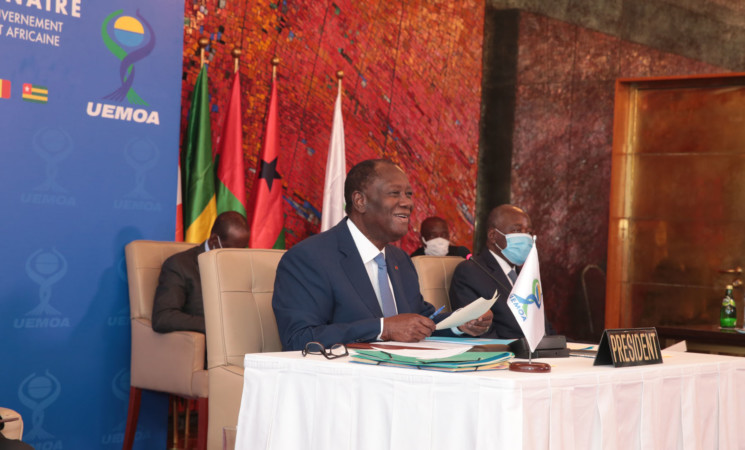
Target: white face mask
{"points": [[436, 247]]}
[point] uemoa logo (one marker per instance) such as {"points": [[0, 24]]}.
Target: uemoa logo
{"points": [[535, 297], [129, 39]]}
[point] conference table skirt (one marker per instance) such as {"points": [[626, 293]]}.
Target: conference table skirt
{"points": [[691, 401]]}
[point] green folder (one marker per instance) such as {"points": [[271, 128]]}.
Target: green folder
{"points": [[463, 360]]}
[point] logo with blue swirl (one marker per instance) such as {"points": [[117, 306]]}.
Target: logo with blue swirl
{"points": [[138, 38], [535, 297]]}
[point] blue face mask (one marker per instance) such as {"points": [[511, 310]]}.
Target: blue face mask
{"points": [[518, 247]]}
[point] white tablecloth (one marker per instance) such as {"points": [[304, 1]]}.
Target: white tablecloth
{"points": [[691, 401]]}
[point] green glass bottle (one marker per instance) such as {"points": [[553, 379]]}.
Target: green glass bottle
{"points": [[728, 313]]}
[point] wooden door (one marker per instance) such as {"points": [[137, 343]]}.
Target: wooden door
{"points": [[677, 207]]}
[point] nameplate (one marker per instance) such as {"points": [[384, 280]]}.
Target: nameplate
{"points": [[624, 347]]}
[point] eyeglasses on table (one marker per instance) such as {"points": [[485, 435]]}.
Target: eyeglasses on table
{"points": [[333, 352]]}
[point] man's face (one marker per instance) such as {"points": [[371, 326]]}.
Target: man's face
{"points": [[510, 221], [435, 229], [237, 237], [388, 205]]}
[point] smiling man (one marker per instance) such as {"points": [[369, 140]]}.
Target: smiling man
{"points": [[347, 284]]}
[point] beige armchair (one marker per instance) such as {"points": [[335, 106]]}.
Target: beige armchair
{"points": [[12, 424], [172, 362], [237, 287], [435, 274]]}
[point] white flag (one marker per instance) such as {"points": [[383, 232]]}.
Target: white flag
{"points": [[526, 300], [336, 169]]}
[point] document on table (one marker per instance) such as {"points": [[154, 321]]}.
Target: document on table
{"points": [[467, 340], [425, 350], [471, 311], [467, 361]]}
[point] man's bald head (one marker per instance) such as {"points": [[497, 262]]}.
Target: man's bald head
{"points": [[230, 230]]}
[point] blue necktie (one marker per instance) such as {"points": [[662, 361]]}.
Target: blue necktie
{"points": [[513, 275], [386, 296]]}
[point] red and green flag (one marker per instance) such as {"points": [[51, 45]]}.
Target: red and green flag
{"points": [[197, 173], [231, 176], [266, 215]]}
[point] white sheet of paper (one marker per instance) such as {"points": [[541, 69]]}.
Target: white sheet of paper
{"points": [[429, 354], [386, 345], [471, 311]]}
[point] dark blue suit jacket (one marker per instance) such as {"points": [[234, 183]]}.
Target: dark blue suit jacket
{"points": [[323, 293], [478, 277]]}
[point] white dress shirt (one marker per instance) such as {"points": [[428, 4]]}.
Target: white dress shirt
{"points": [[506, 267], [368, 252]]}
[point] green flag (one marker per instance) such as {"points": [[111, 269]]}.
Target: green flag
{"points": [[198, 176]]}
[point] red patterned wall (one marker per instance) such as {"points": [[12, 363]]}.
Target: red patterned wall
{"points": [[412, 90], [563, 141]]}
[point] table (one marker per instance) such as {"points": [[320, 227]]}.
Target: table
{"points": [[691, 401], [704, 338]]}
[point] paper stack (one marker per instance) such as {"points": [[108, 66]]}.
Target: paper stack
{"points": [[462, 362]]}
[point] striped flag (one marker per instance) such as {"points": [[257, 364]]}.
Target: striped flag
{"points": [[231, 175], [197, 173], [266, 217], [4, 88], [336, 169], [35, 93]]}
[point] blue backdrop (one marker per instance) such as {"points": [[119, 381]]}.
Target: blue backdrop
{"points": [[89, 125]]}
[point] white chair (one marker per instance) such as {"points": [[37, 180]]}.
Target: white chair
{"points": [[435, 274], [166, 362], [237, 288], [12, 424]]}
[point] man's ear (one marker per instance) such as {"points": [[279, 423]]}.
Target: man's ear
{"points": [[490, 234], [212, 241], [359, 201]]}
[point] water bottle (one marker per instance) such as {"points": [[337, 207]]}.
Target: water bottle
{"points": [[728, 313]]}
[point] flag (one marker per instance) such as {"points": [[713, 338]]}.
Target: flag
{"points": [[198, 176], [4, 88], [35, 93], [526, 300], [266, 216], [231, 175], [179, 210], [336, 169]]}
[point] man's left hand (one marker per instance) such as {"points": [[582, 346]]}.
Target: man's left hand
{"points": [[479, 326]]}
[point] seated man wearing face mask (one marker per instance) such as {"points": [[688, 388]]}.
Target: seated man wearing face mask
{"points": [[508, 243], [178, 298], [435, 238]]}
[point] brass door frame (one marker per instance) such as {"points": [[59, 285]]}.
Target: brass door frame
{"points": [[626, 94]]}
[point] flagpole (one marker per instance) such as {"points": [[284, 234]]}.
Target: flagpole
{"points": [[339, 76], [236, 57], [203, 42], [275, 63]]}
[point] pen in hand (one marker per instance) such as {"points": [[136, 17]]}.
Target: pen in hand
{"points": [[434, 314]]}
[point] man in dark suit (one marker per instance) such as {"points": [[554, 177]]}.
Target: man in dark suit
{"points": [[347, 284], [178, 298], [435, 237], [508, 243]]}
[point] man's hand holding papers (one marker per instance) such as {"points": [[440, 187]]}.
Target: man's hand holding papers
{"points": [[469, 313]]}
